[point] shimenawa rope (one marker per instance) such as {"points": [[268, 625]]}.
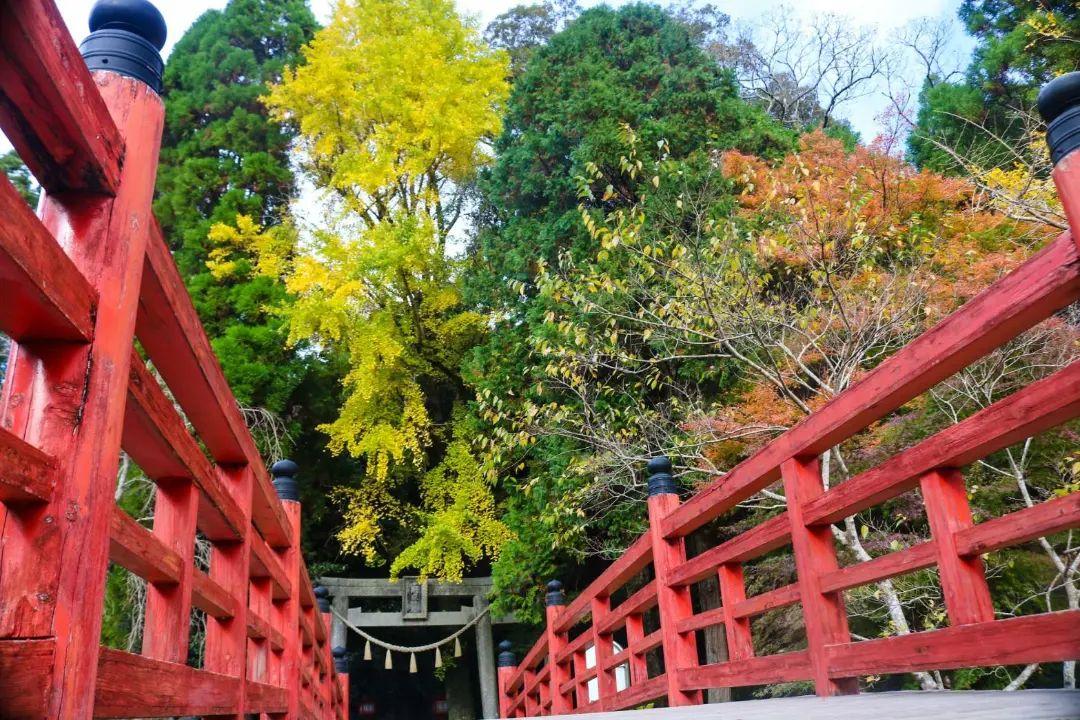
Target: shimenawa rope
{"points": [[391, 647]]}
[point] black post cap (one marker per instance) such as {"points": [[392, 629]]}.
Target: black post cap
{"points": [[555, 594], [126, 37], [661, 481], [322, 598], [506, 655], [284, 472], [1059, 105], [341, 659]]}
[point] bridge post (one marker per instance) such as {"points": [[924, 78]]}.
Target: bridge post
{"points": [[554, 604], [341, 666], [68, 398], [1059, 105], [824, 614], [740, 643], [284, 473], [963, 579], [680, 649], [326, 676], [227, 640], [507, 667]]}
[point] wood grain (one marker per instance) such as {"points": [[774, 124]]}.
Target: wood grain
{"points": [[45, 295], [50, 109], [763, 670], [916, 557], [27, 475], [25, 678], [134, 547], [1048, 637], [212, 598], [764, 537], [135, 686], [1046, 518], [157, 440]]}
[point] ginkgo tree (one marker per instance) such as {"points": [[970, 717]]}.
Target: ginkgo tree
{"points": [[395, 105]]}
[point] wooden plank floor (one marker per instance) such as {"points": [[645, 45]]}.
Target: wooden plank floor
{"points": [[967, 705]]}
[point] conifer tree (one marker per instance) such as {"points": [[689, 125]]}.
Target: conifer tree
{"points": [[223, 156]]}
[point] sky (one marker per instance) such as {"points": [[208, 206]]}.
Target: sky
{"points": [[885, 15]]}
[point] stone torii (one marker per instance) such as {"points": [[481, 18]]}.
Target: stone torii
{"points": [[414, 613]]}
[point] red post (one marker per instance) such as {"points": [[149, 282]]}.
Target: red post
{"points": [[740, 642], [1059, 105], [680, 649], [227, 640], [531, 691], [341, 669], [963, 580], [284, 473], [581, 689], [602, 651], [168, 607], [264, 664], [322, 647], [635, 633], [556, 641], [68, 400], [507, 667], [815, 554]]}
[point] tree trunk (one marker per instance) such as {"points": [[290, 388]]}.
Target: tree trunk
{"points": [[707, 597]]}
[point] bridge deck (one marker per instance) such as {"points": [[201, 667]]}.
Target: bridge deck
{"points": [[967, 705]]}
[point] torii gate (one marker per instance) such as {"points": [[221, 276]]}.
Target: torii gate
{"points": [[414, 613]]}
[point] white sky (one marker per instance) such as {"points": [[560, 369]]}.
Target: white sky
{"points": [[885, 15]]}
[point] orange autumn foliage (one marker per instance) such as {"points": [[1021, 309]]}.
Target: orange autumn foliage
{"points": [[825, 197], [860, 220]]}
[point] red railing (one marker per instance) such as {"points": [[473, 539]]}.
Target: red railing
{"points": [[555, 676], [80, 282]]}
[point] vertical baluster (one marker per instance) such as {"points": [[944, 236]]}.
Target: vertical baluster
{"points": [[168, 607], [602, 651], [264, 663], [341, 668], [581, 690], [307, 648], [326, 690], [284, 472], [226, 640], [555, 603], [680, 649], [737, 631], [532, 704], [963, 580], [815, 554], [635, 633]]}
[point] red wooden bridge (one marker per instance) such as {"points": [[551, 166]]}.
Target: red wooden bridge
{"points": [[80, 282], [555, 677], [90, 274]]}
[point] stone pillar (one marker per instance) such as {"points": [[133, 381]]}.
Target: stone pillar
{"points": [[485, 657], [339, 634], [459, 691]]}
